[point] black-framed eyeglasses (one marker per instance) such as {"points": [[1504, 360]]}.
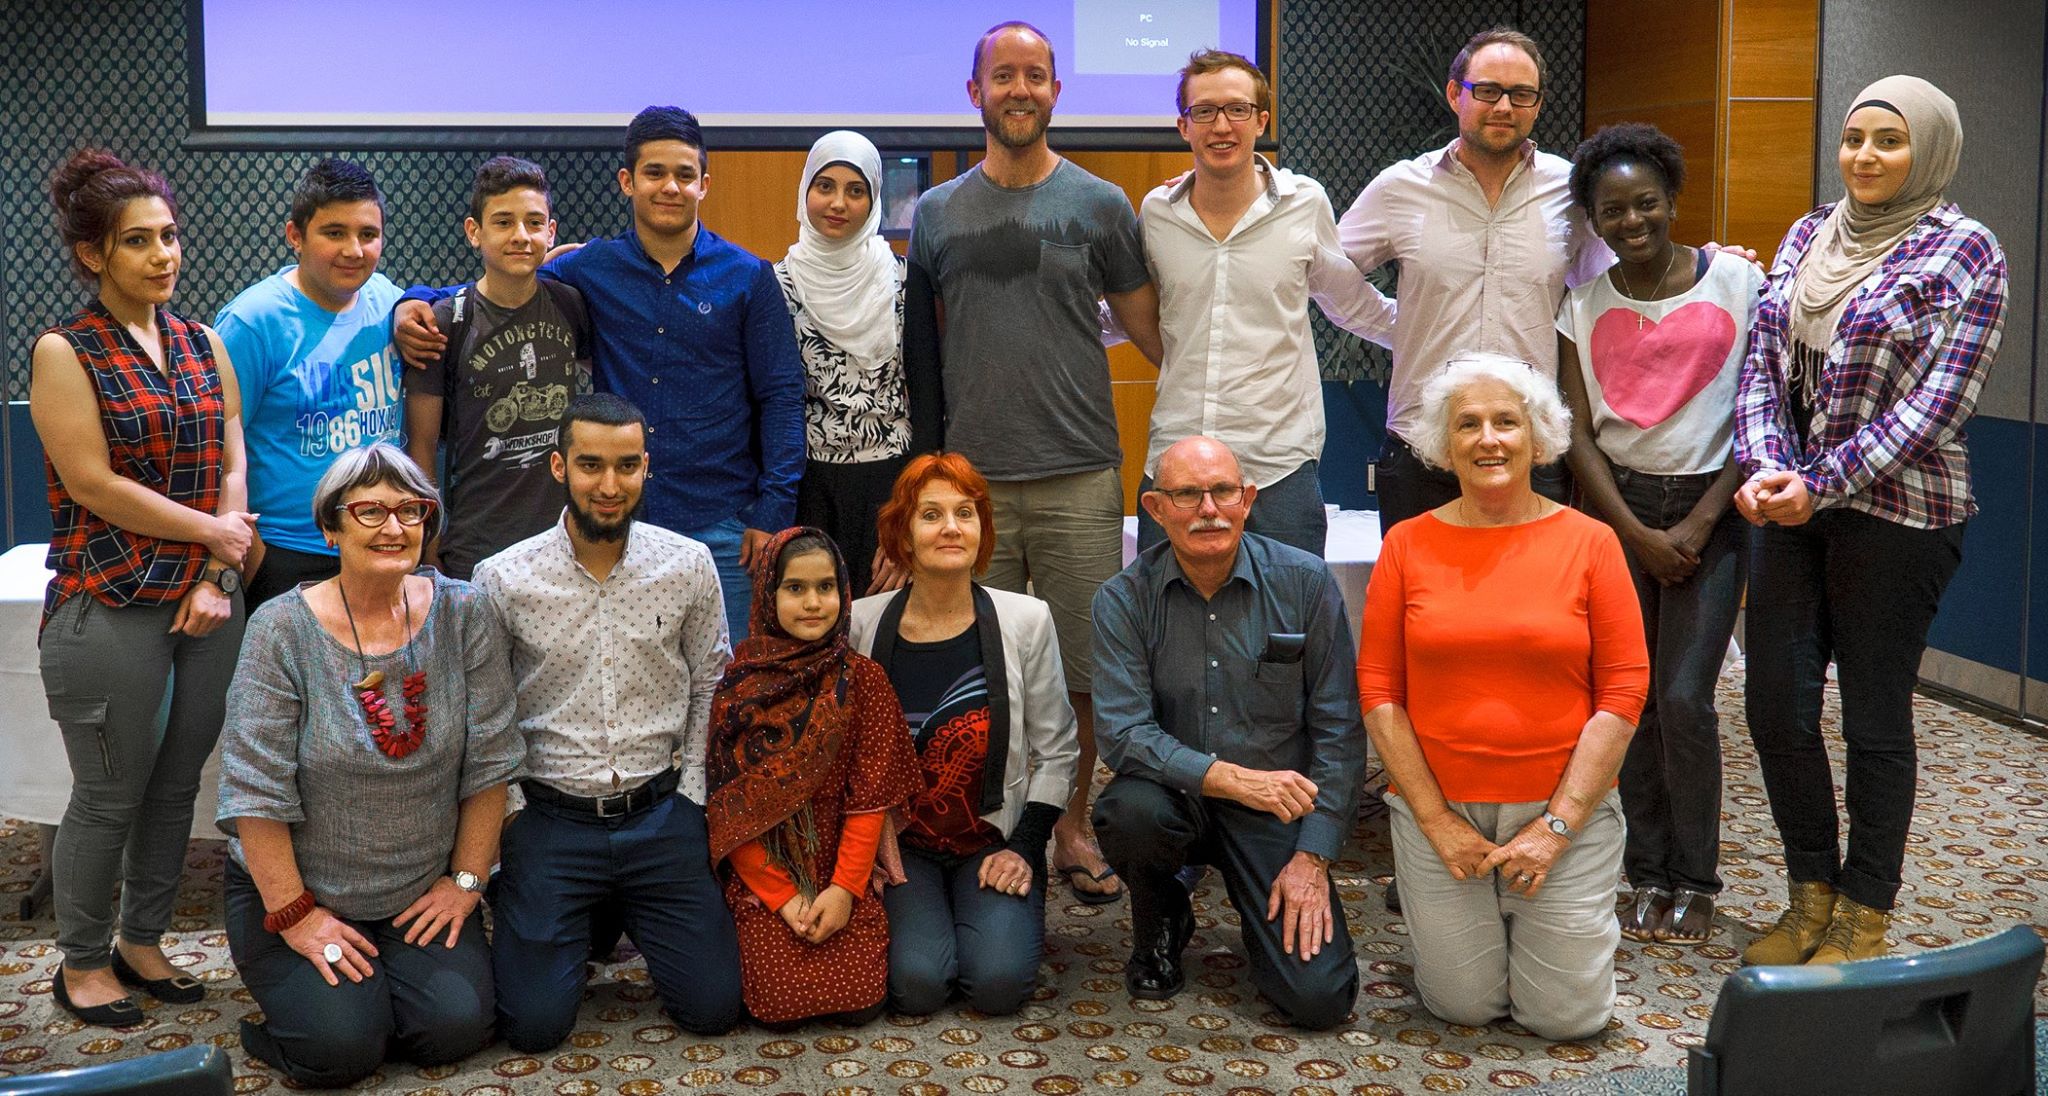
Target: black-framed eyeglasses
{"points": [[1202, 114], [373, 514], [1187, 498], [1491, 93]]}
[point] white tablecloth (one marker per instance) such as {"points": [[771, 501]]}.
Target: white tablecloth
{"points": [[35, 778], [1352, 546]]}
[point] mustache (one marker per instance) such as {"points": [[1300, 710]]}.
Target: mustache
{"points": [[1210, 525]]}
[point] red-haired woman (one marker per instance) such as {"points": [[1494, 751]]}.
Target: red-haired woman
{"points": [[140, 421], [978, 673]]}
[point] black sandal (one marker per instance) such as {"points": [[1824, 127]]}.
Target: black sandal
{"points": [[1645, 915], [115, 1014], [1691, 921], [178, 989]]}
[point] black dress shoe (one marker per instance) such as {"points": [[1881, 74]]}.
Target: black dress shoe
{"points": [[178, 989], [1154, 972], [1393, 896], [121, 1013]]}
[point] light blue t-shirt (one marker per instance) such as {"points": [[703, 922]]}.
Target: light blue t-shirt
{"points": [[314, 385]]}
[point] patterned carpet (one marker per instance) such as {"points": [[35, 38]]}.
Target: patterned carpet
{"points": [[1978, 863]]}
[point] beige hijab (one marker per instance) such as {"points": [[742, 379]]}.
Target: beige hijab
{"points": [[1857, 237]]}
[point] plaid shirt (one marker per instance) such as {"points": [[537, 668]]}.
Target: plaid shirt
{"points": [[162, 431], [1902, 375]]}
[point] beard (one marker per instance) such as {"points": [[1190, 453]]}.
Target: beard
{"points": [[999, 127], [589, 527]]}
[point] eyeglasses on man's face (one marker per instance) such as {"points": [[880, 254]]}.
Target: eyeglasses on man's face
{"points": [[1491, 93], [1187, 498], [1202, 114], [373, 514]]}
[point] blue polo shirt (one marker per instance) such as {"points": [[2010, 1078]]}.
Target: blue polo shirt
{"points": [[707, 352]]}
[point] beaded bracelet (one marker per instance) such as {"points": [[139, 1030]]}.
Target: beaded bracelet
{"points": [[285, 917]]}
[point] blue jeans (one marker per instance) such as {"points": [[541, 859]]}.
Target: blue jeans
{"points": [[653, 869], [724, 541], [1291, 512], [426, 1003], [947, 931], [1671, 776], [1860, 591]]}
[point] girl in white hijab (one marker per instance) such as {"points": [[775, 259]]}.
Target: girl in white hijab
{"points": [[1878, 325], [844, 286]]}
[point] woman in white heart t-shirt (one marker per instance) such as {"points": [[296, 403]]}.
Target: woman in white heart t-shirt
{"points": [[1658, 343]]}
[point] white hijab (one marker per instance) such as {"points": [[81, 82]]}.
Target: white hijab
{"points": [[848, 286]]}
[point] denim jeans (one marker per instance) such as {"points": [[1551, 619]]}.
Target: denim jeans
{"points": [[733, 581], [1860, 591], [1290, 511], [1405, 485], [946, 931], [1671, 777]]}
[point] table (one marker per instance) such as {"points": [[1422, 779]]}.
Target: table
{"points": [[35, 781], [1351, 548]]}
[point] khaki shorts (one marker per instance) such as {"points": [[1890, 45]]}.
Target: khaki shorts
{"points": [[1064, 535]]}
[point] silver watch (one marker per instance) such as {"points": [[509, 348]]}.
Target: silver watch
{"points": [[1559, 826], [469, 881]]}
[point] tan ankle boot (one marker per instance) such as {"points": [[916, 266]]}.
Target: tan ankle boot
{"points": [[1857, 932], [1798, 932]]}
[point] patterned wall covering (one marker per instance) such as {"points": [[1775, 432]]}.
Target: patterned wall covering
{"points": [[1360, 87]]}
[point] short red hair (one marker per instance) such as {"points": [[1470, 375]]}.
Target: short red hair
{"points": [[892, 525]]}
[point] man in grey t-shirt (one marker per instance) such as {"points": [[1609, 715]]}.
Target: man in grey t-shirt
{"points": [[1015, 254]]}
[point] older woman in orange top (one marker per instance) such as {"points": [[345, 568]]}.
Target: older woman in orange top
{"points": [[1502, 669]]}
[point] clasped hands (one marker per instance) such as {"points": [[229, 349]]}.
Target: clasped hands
{"points": [[1524, 861], [1774, 495]]}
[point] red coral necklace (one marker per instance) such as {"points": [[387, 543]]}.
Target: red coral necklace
{"points": [[370, 692]]}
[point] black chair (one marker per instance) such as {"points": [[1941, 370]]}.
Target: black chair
{"points": [[187, 1071], [1950, 1022]]}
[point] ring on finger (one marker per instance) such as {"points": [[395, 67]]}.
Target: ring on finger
{"points": [[331, 953]]}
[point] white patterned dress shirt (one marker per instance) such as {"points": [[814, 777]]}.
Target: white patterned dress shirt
{"points": [[614, 678]]}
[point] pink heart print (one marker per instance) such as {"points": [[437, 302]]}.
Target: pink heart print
{"points": [[1647, 373]]}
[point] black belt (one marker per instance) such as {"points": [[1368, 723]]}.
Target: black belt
{"points": [[630, 801]]}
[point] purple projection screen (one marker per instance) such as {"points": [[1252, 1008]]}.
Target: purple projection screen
{"points": [[738, 64]]}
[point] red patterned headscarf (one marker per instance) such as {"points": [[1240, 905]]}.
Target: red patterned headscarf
{"points": [[778, 722]]}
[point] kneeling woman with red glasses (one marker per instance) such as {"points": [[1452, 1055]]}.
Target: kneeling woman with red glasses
{"points": [[370, 738]]}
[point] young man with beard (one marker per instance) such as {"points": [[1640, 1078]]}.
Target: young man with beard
{"points": [[1016, 253], [618, 638]]}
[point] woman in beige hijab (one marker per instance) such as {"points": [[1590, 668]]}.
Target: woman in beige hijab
{"points": [[1879, 322]]}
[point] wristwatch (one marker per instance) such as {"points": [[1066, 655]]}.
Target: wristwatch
{"points": [[469, 882], [227, 578], [1558, 826]]}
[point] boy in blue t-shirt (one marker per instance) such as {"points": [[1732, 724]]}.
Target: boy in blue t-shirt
{"points": [[312, 347], [518, 350]]}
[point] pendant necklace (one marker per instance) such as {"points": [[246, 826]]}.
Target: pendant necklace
{"points": [[1631, 291], [369, 691]]}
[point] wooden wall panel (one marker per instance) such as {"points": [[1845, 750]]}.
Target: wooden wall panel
{"points": [[1769, 171], [1649, 52], [1773, 48]]}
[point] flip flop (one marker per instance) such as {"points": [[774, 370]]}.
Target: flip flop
{"points": [[1093, 898]]}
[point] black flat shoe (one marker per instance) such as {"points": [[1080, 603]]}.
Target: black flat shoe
{"points": [[178, 989], [114, 1014]]}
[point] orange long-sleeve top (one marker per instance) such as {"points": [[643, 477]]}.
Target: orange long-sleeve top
{"points": [[1501, 643], [859, 838]]}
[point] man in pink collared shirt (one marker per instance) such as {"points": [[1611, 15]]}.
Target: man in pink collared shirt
{"points": [[1487, 240]]}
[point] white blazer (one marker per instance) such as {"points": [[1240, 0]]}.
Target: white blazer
{"points": [[1028, 707]]}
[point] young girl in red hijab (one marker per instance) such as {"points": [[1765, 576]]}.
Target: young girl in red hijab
{"points": [[809, 753]]}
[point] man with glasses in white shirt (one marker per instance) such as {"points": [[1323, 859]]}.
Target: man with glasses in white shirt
{"points": [[1487, 240], [1237, 248]]}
